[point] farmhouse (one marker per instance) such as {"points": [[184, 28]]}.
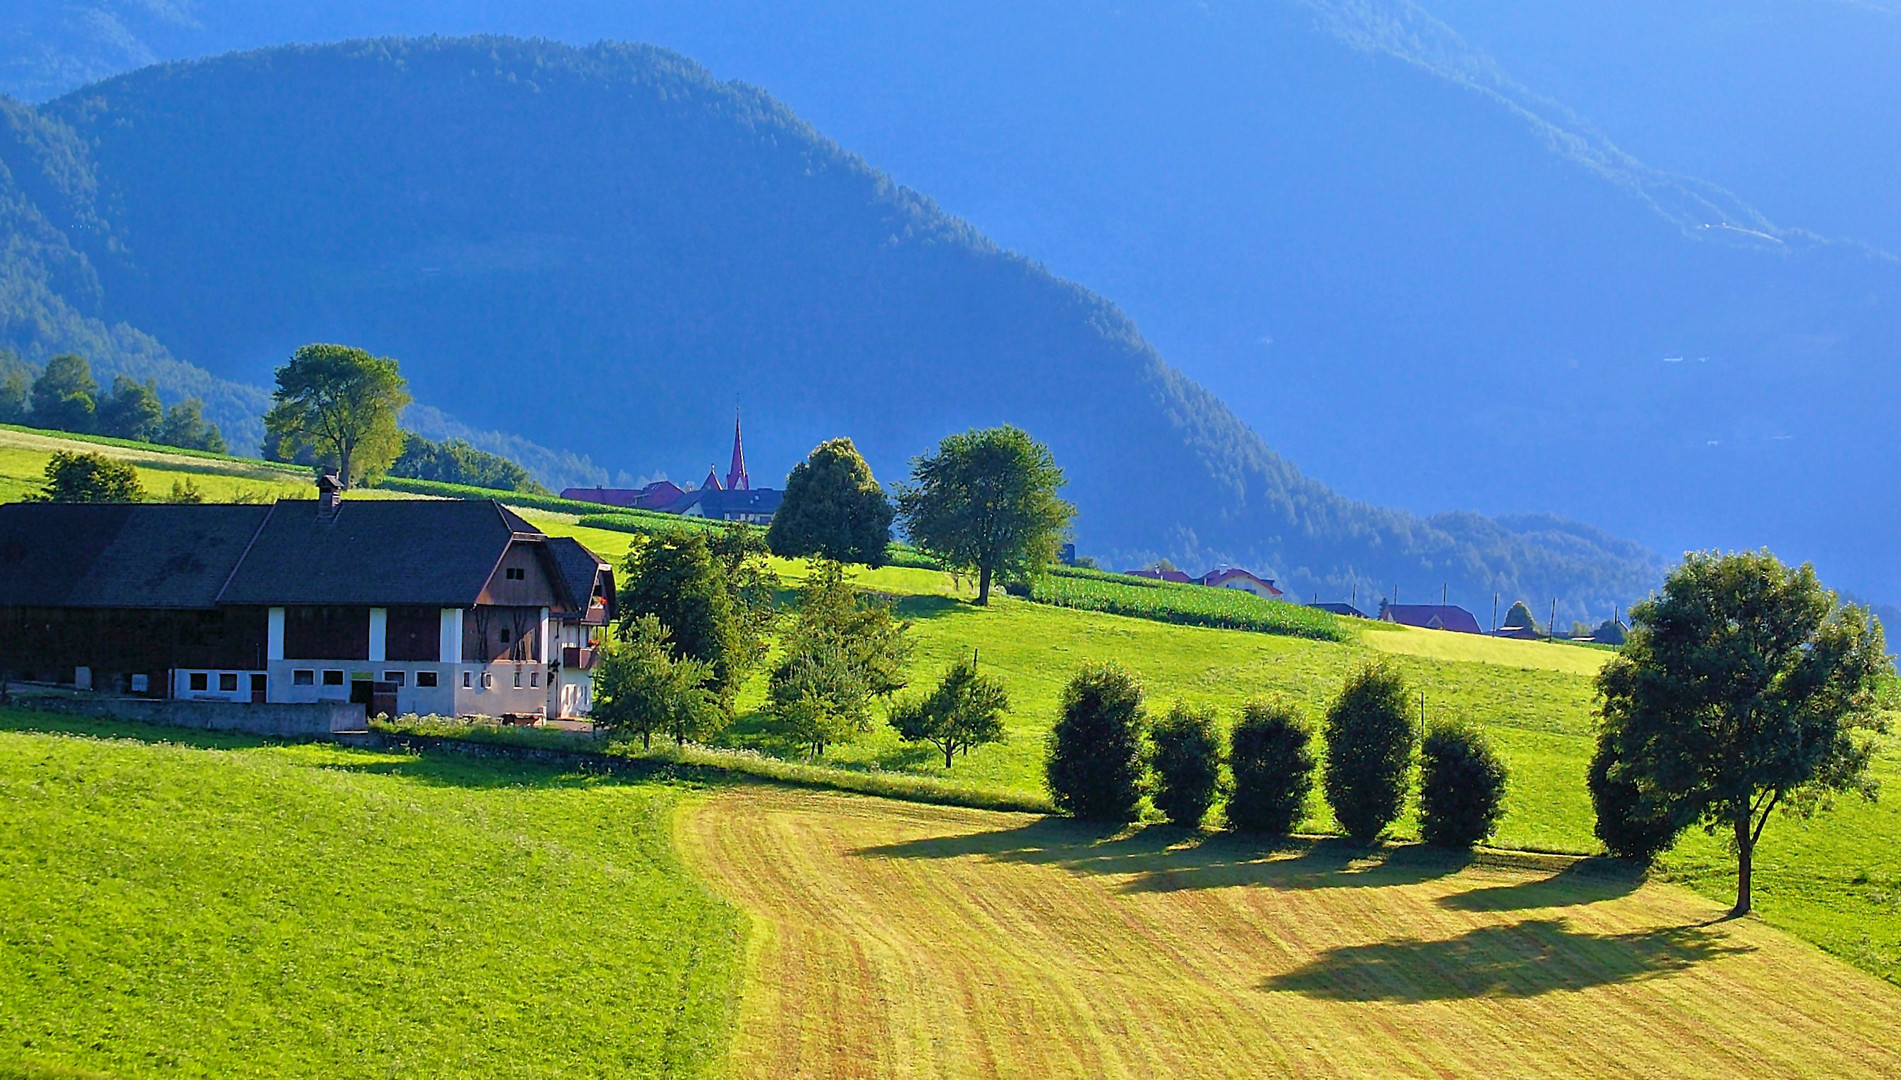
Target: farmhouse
{"points": [[1431, 616], [733, 500], [429, 606], [1227, 577]]}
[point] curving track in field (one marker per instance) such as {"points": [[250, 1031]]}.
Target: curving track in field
{"points": [[897, 940]]}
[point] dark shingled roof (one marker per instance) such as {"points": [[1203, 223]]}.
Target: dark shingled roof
{"points": [[578, 567], [120, 556], [426, 552], [1432, 616]]}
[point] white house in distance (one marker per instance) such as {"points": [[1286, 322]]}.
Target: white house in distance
{"points": [[1229, 577]]}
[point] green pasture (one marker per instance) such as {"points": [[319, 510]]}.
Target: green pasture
{"points": [[181, 904]]}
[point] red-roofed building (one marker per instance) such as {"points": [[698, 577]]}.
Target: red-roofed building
{"points": [[736, 479]]}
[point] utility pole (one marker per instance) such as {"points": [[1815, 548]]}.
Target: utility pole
{"points": [[1445, 590], [1422, 716], [1551, 629], [1355, 605], [1494, 613]]}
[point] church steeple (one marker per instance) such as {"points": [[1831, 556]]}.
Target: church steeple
{"points": [[736, 479]]}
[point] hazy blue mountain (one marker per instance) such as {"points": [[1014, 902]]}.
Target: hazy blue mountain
{"points": [[607, 250], [1622, 262]]}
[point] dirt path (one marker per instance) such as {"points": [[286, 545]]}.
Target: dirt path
{"points": [[897, 940]]}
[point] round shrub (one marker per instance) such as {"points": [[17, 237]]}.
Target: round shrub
{"points": [[833, 508], [1461, 786], [1187, 763], [1094, 767], [1369, 751], [1270, 753], [1631, 825]]}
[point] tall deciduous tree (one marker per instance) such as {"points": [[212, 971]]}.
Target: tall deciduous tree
{"points": [[966, 710], [986, 502], [675, 578], [132, 411], [185, 425], [833, 508], [642, 688], [65, 397], [843, 652], [340, 404], [1740, 691]]}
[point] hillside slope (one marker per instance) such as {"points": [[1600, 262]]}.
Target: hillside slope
{"points": [[607, 248]]}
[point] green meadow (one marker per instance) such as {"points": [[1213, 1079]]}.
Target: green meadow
{"points": [[1834, 880], [181, 904]]}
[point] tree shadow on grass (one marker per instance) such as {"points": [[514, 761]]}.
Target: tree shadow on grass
{"points": [[1164, 859], [1586, 881], [1526, 959]]}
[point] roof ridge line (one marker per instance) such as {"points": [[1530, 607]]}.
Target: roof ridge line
{"points": [[246, 553]]}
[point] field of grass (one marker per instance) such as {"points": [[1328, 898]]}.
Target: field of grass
{"points": [[183, 904], [894, 940], [1835, 880]]}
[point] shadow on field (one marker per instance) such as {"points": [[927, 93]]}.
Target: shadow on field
{"points": [[1163, 859], [1586, 881], [1537, 956]]}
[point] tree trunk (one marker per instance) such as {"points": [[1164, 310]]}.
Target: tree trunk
{"points": [[983, 586], [950, 748], [646, 740], [343, 468], [1745, 857]]}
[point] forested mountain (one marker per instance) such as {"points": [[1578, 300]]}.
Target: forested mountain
{"points": [[1623, 261], [608, 250]]}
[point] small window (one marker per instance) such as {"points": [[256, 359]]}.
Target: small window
{"points": [[332, 677], [425, 678], [200, 681], [516, 573], [488, 680], [466, 679], [504, 635], [141, 684], [395, 677], [534, 677], [228, 681], [518, 678], [303, 677]]}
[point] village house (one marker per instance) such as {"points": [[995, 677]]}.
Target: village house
{"points": [[735, 499], [450, 607], [1431, 616], [1221, 577]]}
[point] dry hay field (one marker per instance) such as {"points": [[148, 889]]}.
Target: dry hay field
{"points": [[897, 940]]}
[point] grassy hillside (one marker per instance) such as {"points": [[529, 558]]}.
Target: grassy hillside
{"points": [[184, 905], [893, 940], [1835, 880]]}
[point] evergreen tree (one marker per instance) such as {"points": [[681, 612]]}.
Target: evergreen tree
{"points": [[1519, 618], [1270, 754], [1186, 758], [1369, 752], [1461, 785], [1094, 761], [833, 508]]}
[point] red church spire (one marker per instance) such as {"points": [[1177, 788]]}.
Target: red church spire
{"points": [[736, 479]]}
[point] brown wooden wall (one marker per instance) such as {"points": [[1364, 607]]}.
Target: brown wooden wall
{"points": [[501, 633], [326, 633], [50, 642], [413, 633]]}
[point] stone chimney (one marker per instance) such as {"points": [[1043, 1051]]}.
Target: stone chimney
{"points": [[329, 496]]}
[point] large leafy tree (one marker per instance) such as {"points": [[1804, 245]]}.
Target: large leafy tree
{"points": [[843, 652], [340, 405], [65, 396], [986, 502], [1741, 690], [89, 478], [642, 687], [133, 411], [185, 425], [966, 710], [833, 508], [675, 578]]}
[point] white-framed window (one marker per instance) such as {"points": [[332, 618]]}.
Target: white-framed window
{"points": [[534, 677], [488, 680], [425, 678], [467, 678], [518, 678], [333, 677], [303, 677], [228, 682], [200, 680], [397, 677]]}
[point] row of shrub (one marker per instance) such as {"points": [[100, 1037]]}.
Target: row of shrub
{"points": [[1190, 605], [1104, 756]]}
